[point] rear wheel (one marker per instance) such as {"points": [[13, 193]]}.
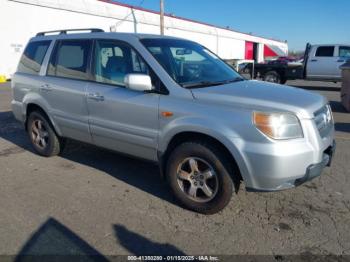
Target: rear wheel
{"points": [[42, 135], [272, 77], [198, 174]]}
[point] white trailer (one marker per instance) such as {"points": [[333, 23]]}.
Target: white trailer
{"points": [[22, 19]]}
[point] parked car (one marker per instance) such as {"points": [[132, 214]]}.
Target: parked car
{"points": [[321, 62], [174, 102]]}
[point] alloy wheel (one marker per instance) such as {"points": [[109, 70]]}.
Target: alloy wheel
{"points": [[197, 179], [40, 135]]}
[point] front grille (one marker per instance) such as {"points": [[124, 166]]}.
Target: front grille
{"points": [[324, 120]]}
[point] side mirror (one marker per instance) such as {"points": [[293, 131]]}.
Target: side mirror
{"points": [[138, 82]]}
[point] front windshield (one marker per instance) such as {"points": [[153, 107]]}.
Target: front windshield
{"points": [[190, 64]]}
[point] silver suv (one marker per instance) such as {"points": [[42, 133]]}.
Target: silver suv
{"points": [[174, 102]]}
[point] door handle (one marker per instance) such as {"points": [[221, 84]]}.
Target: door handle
{"points": [[313, 60], [46, 88], [341, 61], [96, 97]]}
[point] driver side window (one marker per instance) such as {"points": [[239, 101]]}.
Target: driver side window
{"points": [[113, 61]]}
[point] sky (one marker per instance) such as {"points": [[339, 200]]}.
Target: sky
{"points": [[297, 21]]}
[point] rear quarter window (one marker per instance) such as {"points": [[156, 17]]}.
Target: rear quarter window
{"points": [[33, 57]]}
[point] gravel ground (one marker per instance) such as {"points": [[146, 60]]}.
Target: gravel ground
{"points": [[94, 201]]}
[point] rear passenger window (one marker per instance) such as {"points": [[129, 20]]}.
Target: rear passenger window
{"points": [[325, 51], [70, 59], [33, 57]]}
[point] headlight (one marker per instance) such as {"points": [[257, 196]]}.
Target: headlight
{"points": [[278, 125]]}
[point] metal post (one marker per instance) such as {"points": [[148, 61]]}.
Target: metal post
{"points": [[162, 17]]}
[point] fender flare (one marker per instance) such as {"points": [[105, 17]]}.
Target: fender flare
{"points": [[37, 100]]}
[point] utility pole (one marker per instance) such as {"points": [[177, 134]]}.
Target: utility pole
{"points": [[162, 17]]}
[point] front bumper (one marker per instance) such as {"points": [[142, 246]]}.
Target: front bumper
{"points": [[314, 171], [278, 183]]}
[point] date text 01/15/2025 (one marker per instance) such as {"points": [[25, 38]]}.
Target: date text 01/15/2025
{"points": [[173, 258]]}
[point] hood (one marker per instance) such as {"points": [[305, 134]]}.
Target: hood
{"points": [[258, 95]]}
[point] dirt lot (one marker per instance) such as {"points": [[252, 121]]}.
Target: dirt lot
{"points": [[93, 201]]}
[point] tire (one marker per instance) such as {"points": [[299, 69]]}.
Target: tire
{"points": [[220, 183], [42, 136], [272, 77]]}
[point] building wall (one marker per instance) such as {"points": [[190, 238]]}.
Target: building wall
{"points": [[22, 19]]}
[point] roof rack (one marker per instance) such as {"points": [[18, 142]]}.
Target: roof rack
{"points": [[64, 31]]}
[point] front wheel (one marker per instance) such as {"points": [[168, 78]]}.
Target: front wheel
{"points": [[198, 174]]}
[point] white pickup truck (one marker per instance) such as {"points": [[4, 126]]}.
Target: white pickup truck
{"points": [[321, 62]]}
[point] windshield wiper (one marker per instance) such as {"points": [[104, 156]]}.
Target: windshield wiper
{"points": [[237, 79], [201, 84], [212, 83]]}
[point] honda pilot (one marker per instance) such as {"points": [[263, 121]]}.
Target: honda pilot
{"points": [[174, 102]]}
